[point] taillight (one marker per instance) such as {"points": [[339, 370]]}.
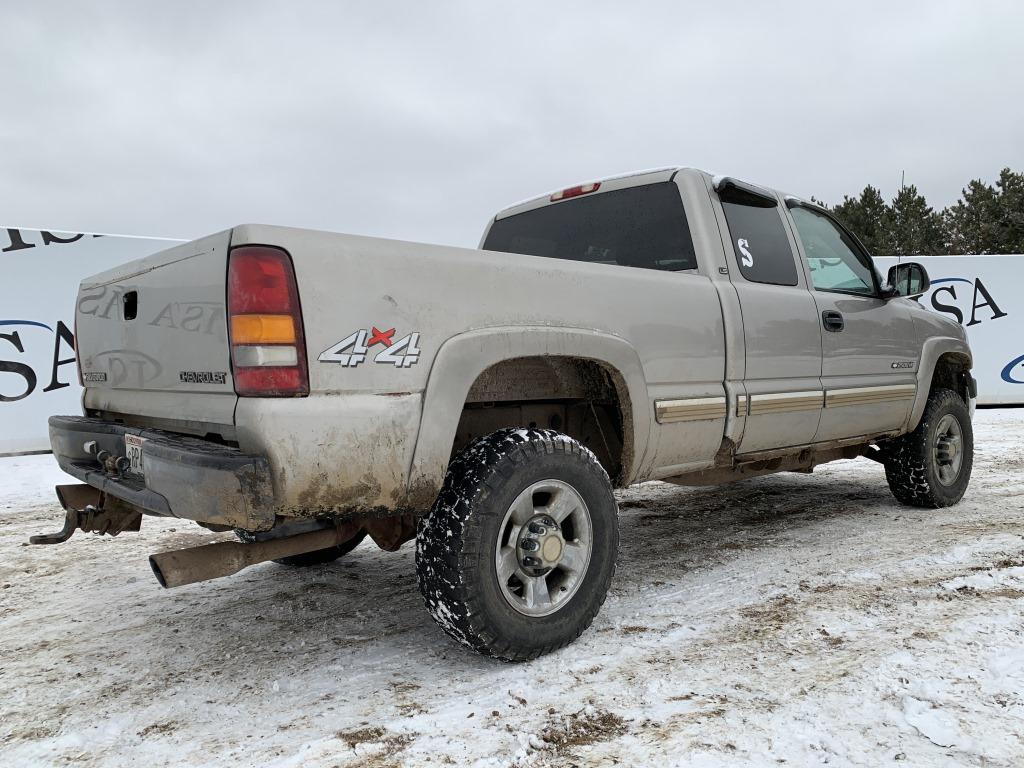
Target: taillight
{"points": [[581, 189], [268, 349]]}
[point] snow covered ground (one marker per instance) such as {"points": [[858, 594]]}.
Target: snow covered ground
{"points": [[797, 620]]}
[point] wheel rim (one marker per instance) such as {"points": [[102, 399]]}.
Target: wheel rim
{"points": [[948, 451], [543, 548]]}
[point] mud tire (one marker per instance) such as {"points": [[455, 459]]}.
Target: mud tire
{"points": [[910, 464], [455, 543]]}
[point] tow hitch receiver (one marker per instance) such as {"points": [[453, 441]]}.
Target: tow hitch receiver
{"points": [[84, 509]]}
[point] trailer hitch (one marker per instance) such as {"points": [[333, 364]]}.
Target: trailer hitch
{"points": [[86, 508]]}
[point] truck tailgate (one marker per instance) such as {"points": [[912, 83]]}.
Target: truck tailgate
{"points": [[152, 335]]}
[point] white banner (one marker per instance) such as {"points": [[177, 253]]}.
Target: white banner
{"points": [[41, 273], [985, 294]]}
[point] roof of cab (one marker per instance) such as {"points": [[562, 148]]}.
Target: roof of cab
{"points": [[608, 183], [632, 179]]}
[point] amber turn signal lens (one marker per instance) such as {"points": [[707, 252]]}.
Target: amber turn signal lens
{"points": [[262, 329]]}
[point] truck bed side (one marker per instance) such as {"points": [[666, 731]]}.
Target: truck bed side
{"points": [[352, 443]]}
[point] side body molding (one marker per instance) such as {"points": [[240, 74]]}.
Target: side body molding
{"points": [[462, 358], [932, 349]]}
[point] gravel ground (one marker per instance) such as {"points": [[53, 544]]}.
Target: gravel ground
{"points": [[794, 619]]}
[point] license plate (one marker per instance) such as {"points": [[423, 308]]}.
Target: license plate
{"points": [[133, 451]]}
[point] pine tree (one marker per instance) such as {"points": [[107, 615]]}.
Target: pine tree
{"points": [[867, 217], [973, 221], [989, 219], [1011, 211], [915, 228], [986, 219]]}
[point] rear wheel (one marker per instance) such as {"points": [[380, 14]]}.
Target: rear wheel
{"points": [[931, 466], [517, 554]]}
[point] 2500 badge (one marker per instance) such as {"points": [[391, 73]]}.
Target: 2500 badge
{"points": [[354, 349]]}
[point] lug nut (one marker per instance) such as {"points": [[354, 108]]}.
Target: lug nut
{"points": [[530, 545], [537, 528]]}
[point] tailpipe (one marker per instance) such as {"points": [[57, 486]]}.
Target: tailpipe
{"points": [[211, 561]]}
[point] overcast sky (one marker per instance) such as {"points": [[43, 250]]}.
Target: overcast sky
{"points": [[418, 120]]}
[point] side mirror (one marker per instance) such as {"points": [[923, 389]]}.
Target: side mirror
{"points": [[909, 280]]}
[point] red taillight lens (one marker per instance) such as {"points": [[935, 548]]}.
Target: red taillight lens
{"points": [[260, 279], [268, 348]]}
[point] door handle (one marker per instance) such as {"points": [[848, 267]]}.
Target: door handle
{"points": [[832, 320]]}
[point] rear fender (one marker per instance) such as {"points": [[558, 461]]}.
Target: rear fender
{"points": [[462, 358]]}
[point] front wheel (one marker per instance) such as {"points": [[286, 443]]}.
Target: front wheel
{"points": [[931, 466], [517, 554]]}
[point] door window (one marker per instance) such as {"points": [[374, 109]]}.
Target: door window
{"points": [[836, 263], [763, 253]]}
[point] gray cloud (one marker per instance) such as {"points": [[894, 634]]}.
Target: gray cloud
{"points": [[418, 120]]}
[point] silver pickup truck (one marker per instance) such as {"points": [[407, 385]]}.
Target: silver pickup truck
{"points": [[307, 389]]}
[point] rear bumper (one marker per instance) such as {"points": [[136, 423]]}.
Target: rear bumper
{"points": [[185, 476]]}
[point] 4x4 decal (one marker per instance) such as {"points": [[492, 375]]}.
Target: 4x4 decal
{"points": [[354, 349]]}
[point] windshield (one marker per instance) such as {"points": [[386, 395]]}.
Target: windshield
{"points": [[642, 226]]}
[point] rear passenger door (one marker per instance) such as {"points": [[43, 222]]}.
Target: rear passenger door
{"points": [[780, 321], [869, 346]]}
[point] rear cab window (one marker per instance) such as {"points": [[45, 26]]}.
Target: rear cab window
{"points": [[643, 226], [763, 252]]}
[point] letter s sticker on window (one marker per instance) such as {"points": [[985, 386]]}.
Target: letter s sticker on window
{"points": [[747, 258]]}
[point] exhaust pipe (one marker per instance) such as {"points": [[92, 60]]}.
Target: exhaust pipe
{"points": [[211, 561]]}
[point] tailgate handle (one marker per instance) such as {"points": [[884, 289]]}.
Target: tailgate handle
{"points": [[130, 302]]}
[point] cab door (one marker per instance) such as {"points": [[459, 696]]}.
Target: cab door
{"points": [[782, 341], [869, 345]]}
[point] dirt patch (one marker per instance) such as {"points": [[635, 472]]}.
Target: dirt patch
{"points": [[392, 742], [588, 726], [1016, 561], [638, 504], [771, 614], [818, 589], [158, 729], [832, 641], [966, 592], [360, 736], [401, 686], [633, 629]]}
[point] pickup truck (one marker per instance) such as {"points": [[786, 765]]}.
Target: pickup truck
{"points": [[307, 389]]}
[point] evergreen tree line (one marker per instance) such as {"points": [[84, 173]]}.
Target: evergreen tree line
{"points": [[986, 219]]}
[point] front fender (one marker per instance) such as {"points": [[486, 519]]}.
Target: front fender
{"points": [[931, 351], [462, 358]]}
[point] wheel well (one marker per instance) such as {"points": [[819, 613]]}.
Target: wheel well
{"points": [[583, 398], [952, 370]]}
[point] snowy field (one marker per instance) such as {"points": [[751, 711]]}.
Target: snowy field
{"points": [[788, 620]]}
